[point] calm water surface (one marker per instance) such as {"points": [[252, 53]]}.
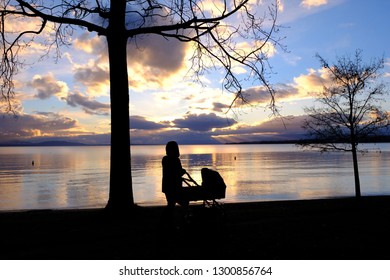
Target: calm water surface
{"points": [[78, 177]]}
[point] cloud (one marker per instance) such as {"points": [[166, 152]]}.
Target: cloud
{"points": [[203, 122], [201, 125], [90, 106], [313, 3], [190, 129], [291, 58], [387, 64], [261, 96], [276, 129], [47, 86], [36, 45], [94, 76], [90, 44], [293, 11], [303, 87], [91, 75], [220, 107], [40, 124], [154, 61], [270, 130], [213, 7], [182, 136], [141, 123], [313, 82], [267, 48]]}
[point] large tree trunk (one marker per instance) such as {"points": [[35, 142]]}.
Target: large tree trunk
{"points": [[121, 192], [356, 171]]}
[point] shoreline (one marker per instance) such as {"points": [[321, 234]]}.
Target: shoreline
{"points": [[321, 229], [193, 203], [152, 205]]}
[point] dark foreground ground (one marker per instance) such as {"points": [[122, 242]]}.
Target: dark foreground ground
{"points": [[313, 229]]}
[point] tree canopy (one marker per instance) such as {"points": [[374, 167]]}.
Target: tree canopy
{"points": [[224, 34]]}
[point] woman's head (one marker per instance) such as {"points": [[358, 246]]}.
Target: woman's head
{"points": [[172, 149]]}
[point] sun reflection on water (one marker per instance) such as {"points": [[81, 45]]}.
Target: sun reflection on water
{"points": [[78, 177]]}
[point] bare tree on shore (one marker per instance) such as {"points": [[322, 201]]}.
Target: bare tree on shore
{"points": [[348, 110]]}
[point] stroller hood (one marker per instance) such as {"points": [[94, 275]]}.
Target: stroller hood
{"points": [[212, 179]]}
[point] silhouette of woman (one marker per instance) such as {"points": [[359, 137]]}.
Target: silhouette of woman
{"points": [[172, 176]]}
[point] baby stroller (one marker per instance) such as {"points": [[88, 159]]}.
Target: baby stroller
{"points": [[210, 191]]}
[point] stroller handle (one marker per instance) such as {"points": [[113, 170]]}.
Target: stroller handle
{"points": [[189, 180]]}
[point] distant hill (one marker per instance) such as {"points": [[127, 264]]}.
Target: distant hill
{"points": [[44, 143], [59, 143], [265, 142], [372, 139]]}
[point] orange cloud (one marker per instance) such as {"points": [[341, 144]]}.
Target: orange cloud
{"points": [[313, 82]]}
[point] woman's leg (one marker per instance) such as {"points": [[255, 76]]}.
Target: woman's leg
{"points": [[169, 212]]}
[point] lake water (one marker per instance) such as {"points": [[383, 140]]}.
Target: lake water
{"points": [[78, 177]]}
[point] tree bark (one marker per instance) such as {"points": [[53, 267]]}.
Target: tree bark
{"points": [[356, 171], [121, 193]]}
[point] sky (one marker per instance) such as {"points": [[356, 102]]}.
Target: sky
{"points": [[68, 99]]}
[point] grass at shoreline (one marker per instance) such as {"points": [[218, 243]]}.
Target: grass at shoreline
{"points": [[341, 228]]}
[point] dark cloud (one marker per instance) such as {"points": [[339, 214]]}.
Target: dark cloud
{"points": [[84, 138], [191, 122], [38, 125], [287, 124], [190, 129], [260, 95], [220, 107], [91, 75], [277, 129], [92, 107], [138, 122], [49, 121], [157, 52], [153, 60], [203, 122], [272, 130], [162, 55], [182, 136]]}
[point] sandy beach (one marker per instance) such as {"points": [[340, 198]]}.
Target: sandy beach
{"points": [[336, 229]]}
